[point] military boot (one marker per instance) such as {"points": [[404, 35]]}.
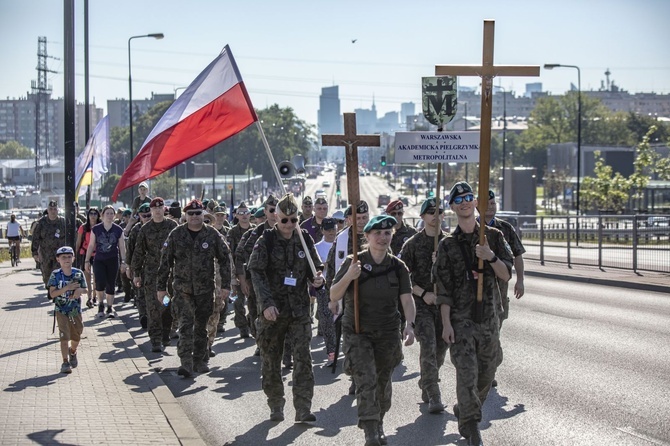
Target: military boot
{"points": [[435, 404], [382, 435], [277, 413], [371, 429], [470, 431]]}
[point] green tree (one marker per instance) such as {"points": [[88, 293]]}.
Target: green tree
{"points": [[606, 191], [15, 150], [164, 185], [108, 187]]}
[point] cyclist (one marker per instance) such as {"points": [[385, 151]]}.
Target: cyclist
{"points": [[14, 234]]}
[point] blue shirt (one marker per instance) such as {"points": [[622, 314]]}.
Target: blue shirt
{"points": [[58, 279]]}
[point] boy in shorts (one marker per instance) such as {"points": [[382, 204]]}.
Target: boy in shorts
{"points": [[65, 287]]}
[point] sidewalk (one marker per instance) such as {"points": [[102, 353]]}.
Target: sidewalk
{"points": [[641, 280], [112, 398]]}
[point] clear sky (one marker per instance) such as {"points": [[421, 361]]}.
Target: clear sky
{"points": [[287, 50]]}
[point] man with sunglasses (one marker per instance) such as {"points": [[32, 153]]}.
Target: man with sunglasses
{"points": [[189, 252], [145, 263], [401, 232], [242, 254], [474, 341], [417, 253], [280, 273], [307, 208], [233, 237], [144, 215]]}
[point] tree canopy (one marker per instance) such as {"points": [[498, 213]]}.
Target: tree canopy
{"points": [[15, 150]]}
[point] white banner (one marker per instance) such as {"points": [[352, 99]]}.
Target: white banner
{"points": [[436, 147]]}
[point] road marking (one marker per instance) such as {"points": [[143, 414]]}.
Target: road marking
{"points": [[635, 433]]}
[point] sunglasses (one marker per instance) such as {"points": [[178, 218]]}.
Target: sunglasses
{"points": [[94, 213], [285, 220], [272, 211], [192, 213], [468, 198], [396, 213], [432, 212], [242, 212], [207, 221], [339, 222], [146, 215]]}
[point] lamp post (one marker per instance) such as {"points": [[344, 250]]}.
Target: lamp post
{"points": [[551, 66], [130, 88], [504, 149]]}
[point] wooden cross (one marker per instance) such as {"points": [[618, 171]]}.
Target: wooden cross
{"points": [[487, 71], [352, 142]]}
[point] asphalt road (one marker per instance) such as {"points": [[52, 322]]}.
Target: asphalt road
{"points": [[584, 365]]}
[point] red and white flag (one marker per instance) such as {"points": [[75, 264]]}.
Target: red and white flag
{"points": [[213, 108]]}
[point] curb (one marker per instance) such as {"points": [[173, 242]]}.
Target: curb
{"points": [[605, 282]]}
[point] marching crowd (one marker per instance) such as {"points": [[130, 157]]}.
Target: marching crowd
{"points": [[280, 267]]}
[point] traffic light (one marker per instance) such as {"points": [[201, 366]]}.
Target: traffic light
{"points": [[383, 160], [430, 194], [338, 192]]}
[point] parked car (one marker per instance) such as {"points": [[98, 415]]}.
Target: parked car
{"points": [[383, 200], [325, 184]]}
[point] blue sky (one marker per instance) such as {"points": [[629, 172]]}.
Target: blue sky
{"points": [[287, 50]]}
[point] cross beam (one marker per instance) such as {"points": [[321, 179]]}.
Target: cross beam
{"points": [[487, 71], [352, 141]]}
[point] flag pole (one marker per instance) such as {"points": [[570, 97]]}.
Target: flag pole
{"points": [[281, 184]]}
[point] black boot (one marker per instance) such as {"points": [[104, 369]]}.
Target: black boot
{"points": [[371, 429], [470, 431], [382, 436]]}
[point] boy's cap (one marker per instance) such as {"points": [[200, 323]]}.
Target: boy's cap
{"points": [[328, 223], [144, 185], [64, 250]]}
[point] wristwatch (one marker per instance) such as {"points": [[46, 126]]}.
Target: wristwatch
{"points": [[494, 259], [413, 325]]}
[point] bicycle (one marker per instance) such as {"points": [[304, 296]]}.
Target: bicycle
{"points": [[14, 254]]}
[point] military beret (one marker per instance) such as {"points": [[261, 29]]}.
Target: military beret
{"points": [[328, 223], [211, 204], [320, 200], [395, 205], [288, 205], [457, 189], [157, 202], [219, 210], [126, 212], [271, 200], [242, 206], [64, 250], [307, 200], [194, 205], [144, 207], [492, 195], [380, 222], [53, 204], [260, 213], [362, 208], [428, 204]]}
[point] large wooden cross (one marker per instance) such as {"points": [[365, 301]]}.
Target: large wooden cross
{"points": [[487, 71], [351, 141]]}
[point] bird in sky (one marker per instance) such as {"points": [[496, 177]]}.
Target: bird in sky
{"points": [[353, 40]]}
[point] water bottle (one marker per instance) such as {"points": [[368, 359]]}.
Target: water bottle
{"points": [[166, 301]]}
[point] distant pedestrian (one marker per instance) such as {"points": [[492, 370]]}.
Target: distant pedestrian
{"points": [[83, 239], [65, 287], [326, 327], [107, 242], [14, 234]]}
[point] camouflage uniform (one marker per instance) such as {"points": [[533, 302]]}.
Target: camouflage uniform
{"points": [[234, 237], [242, 255], [400, 236], [372, 354], [145, 263], [268, 273], [475, 352], [138, 293], [417, 253], [48, 236], [517, 249], [192, 263]]}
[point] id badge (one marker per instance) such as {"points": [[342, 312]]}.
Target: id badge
{"points": [[290, 281]]}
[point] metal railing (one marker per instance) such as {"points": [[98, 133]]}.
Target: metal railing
{"points": [[631, 242]]}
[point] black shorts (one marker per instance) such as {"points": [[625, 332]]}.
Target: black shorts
{"points": [[105, 272], [14, 239]]}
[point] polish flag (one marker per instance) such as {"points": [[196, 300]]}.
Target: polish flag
{"points": [[213, 108]]}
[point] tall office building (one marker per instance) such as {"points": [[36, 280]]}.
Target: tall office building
{"points": [[330, 118]]}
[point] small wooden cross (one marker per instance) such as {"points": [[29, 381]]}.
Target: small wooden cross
{"points": [[352, 142], [487, 71]]}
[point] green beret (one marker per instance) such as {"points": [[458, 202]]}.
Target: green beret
{"points": [[428, 204], [457, 189], [260, 213], [126, 212], [380, 222], [492, 195], [362, 208], [144, 207], [288, 205]]}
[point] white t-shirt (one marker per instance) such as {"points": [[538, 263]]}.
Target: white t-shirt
{"points": [[13, 229]]}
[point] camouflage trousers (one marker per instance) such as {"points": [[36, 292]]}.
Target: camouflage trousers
{"points": [[47, 266], [140, 301], [252, 317], [504, 314], [326, 323], [372, 377], [271, 340], [433, 349], [193, 312], [159, 317], [128, 287], [475, 356], [213, 321], [239, 305]]}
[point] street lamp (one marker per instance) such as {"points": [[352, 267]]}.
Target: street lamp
{"points": [[551, 66], [502, 194], [130, 87]]}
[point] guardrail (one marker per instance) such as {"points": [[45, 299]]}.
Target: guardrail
{"points": [[631, 242]]}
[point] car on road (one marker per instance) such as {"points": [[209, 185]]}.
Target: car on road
{"points": [[383, 200], [325, 184], [320, 193]]}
